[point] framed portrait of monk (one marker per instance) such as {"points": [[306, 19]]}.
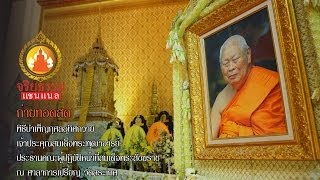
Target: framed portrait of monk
{"points": [[243, 92]]}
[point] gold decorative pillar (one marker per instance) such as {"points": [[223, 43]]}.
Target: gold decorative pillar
{"points": [[154, 108]]}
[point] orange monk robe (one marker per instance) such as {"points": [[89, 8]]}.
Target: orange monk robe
{"points": [[256, 109], [155, 130]]}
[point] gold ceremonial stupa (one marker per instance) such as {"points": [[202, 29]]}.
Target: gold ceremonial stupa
{"points": [[96, 73]]}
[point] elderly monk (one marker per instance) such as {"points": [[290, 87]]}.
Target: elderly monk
{"points": [[251, 103]]}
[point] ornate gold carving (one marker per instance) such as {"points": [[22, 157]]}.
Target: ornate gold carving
{"points": [[229, 11], [305, 145]]}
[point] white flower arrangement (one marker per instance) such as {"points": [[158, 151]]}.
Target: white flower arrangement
{"points": [[163, 147]]}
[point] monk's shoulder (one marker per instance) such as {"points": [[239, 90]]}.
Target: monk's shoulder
{"points": [[224, 97], [260, 72], [227, 92], [221, 94], [264, 78], [218, 102]]}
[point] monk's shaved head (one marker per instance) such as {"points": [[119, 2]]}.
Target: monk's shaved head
{"points": [[234, 40], [235, 61]]}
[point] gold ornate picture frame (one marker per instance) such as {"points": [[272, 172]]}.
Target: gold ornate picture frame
{"points": [[270, 30]]}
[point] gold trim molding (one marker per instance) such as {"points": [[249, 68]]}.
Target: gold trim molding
{"points": [[91, 7]]}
